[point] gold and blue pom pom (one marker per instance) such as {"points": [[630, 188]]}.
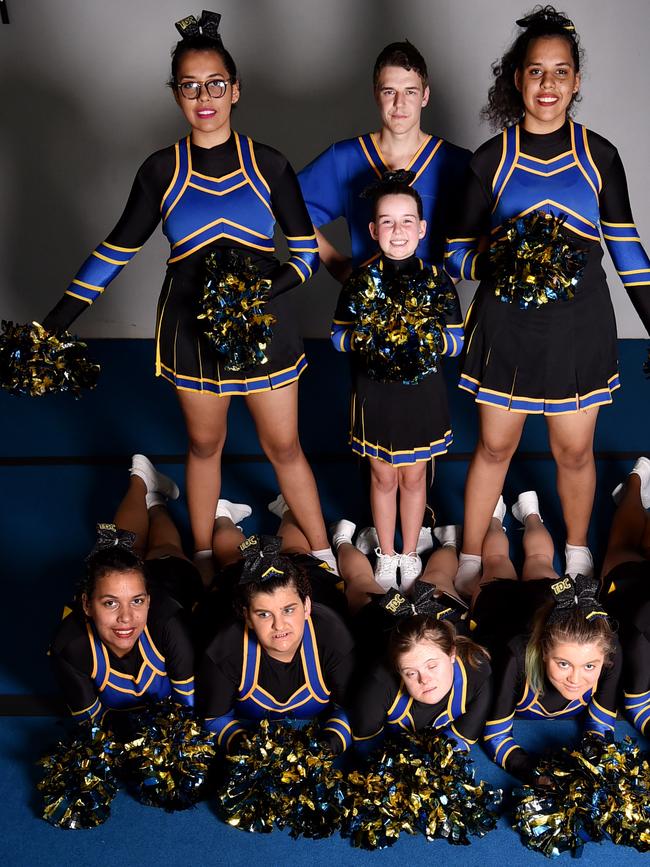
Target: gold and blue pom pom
{"points": [[599, 791], [79, 782], [35, 362], [234, 298], [282, 777], [167, 762], [399, 321], [416, 784], [534, 263]]}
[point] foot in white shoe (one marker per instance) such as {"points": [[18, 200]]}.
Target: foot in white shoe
{"points": [[367, 540], [410, 568], [278, 506], [500, 509], [155, 482], [641, 469], [235, 511], [425, 541], [578, 561], [449, 536], [386, 569], [527, 504], [342, 531]]}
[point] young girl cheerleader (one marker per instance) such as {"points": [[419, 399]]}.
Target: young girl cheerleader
{"points": [[125, 643], [399, 418], [554, 652], [285, 656], [555, 354], [216, 190], [626, 589]]}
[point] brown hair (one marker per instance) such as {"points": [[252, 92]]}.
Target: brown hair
{"points": [[409, 631], [404, 55]]}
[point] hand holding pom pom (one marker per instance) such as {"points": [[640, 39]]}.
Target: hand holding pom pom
{"points": [[35, 362], [234, 298]]}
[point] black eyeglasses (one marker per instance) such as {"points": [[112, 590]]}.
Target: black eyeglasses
{"points": [[216, 88]]}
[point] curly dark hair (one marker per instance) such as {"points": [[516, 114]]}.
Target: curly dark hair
{"points": [[402, 54], [105, 562], [505, 106], [294, 577]]}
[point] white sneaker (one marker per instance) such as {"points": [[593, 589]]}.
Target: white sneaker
{"points": [[410, 568], [235, 511], [278, 506], [449, 535], [155, 482], [500, 509], [367, 540], [527, 504], [425, 541], [342, 531], [642, 469], [386, 569], [578, 561]]}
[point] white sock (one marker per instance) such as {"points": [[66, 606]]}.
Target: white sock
{"points": [[449, 537], [155, 499], [327, 556], [425, 540], [578, 561], [500, 509], [527, 504], [278, 506], [469, 567], [235, 511], [342, 531]]}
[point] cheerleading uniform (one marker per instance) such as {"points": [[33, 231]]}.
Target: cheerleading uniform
{"points": [[333, 183], [95, 681], [208, 198], [238, 681], [382, 702], [394, 422], [559, 357], [513, 695], [628, 602]]}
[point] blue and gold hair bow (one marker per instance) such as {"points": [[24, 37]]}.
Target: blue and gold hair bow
{"points": [[262, 559], [399, 176], [423, 600], [579, 593], [110, 536], [546, 15], [207, 25]]}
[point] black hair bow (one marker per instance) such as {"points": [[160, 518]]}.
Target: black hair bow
{"points": [[547, 15], [261, 559], [399, 176], [207, 25], [423, 601], [109, 536], [576, 593]]}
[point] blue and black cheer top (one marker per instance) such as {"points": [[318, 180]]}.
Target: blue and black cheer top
{"points": [[383, 702], [94, 680], [562, 356], [238, 682], [332, 185]]}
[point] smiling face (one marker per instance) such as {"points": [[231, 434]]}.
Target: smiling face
{"points": [[208, 116], [426, 671], [278, 620], [548, 82], [397, 227], [118, 607], [401, 96], [574, 668]]}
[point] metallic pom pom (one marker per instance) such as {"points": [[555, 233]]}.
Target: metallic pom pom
{"points": [[35, 362], [167, 761], [234, 298], [418, 784], [534, 263], [282, 776], [79, 782], [599, 790], [400, 319]]}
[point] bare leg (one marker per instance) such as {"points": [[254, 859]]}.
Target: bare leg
{"points": [[628, 533], [538, 551], [164, 538], [571, 438], [440, 570], [383, 502], [132, 514], [294, 540], [499, 435], [226, 541], [356, 571], [206, 422], [275, 414], [496, 554], [412, 502]]}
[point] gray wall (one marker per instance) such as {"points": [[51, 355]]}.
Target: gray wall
{"points": [[83, 103]]}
